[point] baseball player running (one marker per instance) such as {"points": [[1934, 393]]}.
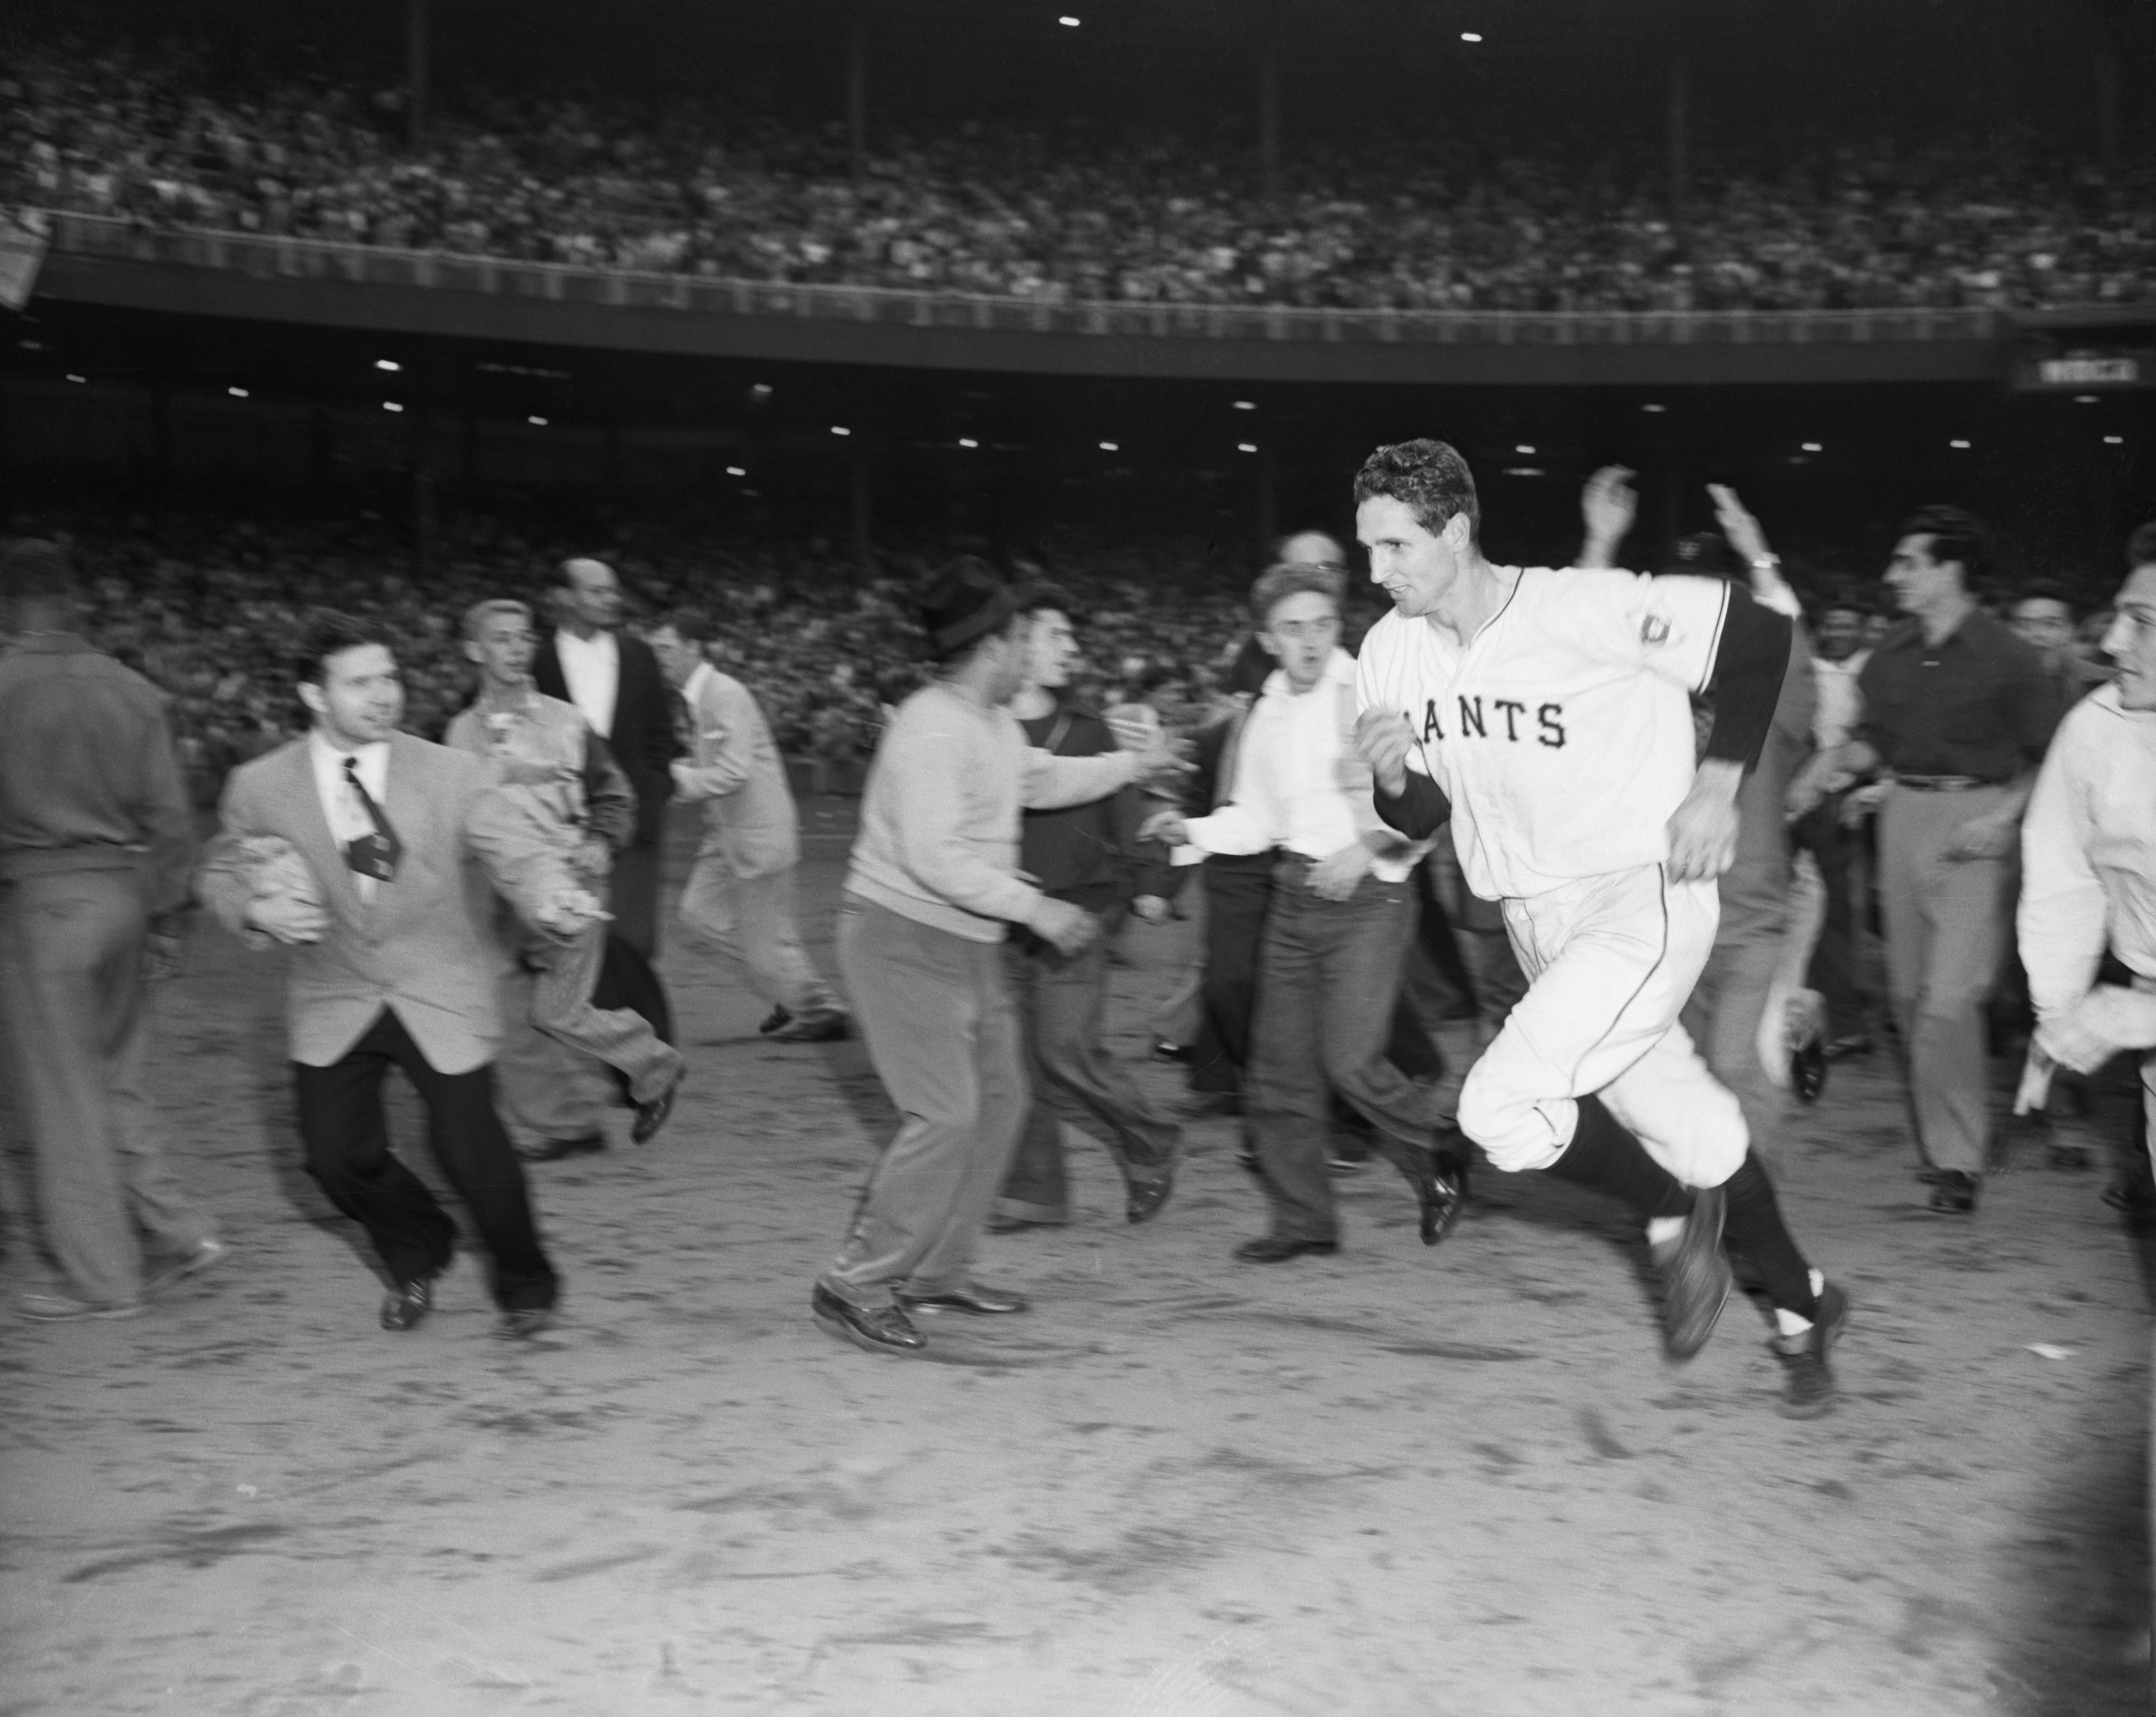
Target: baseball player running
{"points": [[1549, 714]]}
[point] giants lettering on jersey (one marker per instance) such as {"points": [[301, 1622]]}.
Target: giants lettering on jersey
{"points": [[1505, 718]]}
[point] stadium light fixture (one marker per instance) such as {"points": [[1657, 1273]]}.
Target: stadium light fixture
{"points": [[390, 405], [737, 471], [536, 422], [78, 378], [1111, 446], [841, 429], [967, 441], [2114, 441], [1246, 405], [1958, 442], [1653, 407], [762, 389], [1068, 22], [1471, 35], [389, 364], [236, 393], [31, 344], [1246, 447], [1814, 447], [2085, 399], [1525, 471], [1523, 448]]}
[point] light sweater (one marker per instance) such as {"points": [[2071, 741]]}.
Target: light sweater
{"points": [[2088, 852], [940, 813]]}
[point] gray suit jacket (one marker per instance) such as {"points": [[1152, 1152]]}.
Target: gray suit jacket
{"points": [[424, 946], [736, 769]]}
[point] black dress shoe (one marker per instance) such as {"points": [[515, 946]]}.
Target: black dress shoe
{"points": [[554, 1149], [408, 1303], [1278, 1249], [1808, 1071], [1697, 1279], [1143, 1199], [1167, 1051], [1440, 1187], [829, 1025], [775, 1020], [652, 1116], [883, 1329], [523, 1322], [981, 1302], [1954, 1194]]}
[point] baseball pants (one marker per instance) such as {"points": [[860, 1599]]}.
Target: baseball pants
{"points": [[1610, 961]]}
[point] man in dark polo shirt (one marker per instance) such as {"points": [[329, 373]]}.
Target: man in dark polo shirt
{"points": [[1958, 712]]}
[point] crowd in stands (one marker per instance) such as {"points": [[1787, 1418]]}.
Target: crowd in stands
{"points": [[211, 607], [688, 187]]}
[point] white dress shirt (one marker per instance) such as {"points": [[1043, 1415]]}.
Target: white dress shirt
{"points": [[591, 669], [1299, 783], [1838, 706], [346, 817]]}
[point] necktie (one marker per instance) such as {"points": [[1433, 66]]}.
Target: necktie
{"points": [[375, 854]]}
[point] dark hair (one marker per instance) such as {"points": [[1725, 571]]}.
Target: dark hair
{"points": [[1430, 478], [329, 634], [32, 570], [1280, 543], [1277, 584], [1041, 598], [2141, 546], [2043, 590], [1956, 535], [686, 624]]}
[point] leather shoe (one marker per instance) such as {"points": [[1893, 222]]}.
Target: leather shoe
{"points": [[1440, 1187], [1278, 1249], [408, 1303], [1168, 1051], [652, 1116], [206, 1253], [1697, 1279], [520, 1323], [828, 1026], [1808, 1071], [1003, 1222], [1954, 1193], [981, 1302], [775, 1020], [883, 1329], [554, 1149], [1143, 1199]]}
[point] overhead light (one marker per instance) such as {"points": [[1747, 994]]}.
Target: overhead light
{"points": [[1523, 448], [967, 441], [1471, 35], [737, 471], [1246, 447], [762, 389], [390, 405], [2085, 399], [536, 422], [388, 364], [1814, 447], [1246, 405], [1524, 471], [236, 393], [1109, 447], [2114, 441], [78, 378], [841, 429], [31, 344], [1956, 442], [1656, 409], [1068, 22]]}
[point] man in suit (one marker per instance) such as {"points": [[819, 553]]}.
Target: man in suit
{"points": [[740, 895], [614, 679], [96, 844], [394, 962]]}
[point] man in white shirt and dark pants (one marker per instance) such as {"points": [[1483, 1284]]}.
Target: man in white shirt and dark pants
{"points": [[1336, 934], [2088, 864]]}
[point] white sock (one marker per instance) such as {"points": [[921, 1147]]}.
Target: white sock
{"points": [[1663, 1228], [1787, 1322]]}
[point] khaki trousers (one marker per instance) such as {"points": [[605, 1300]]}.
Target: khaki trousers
{"points": [[943, 1036], [752, 920], [1946, 922]]}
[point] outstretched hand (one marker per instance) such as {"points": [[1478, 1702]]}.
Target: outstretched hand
{"points": [[1737, 524], [1608, 505]]}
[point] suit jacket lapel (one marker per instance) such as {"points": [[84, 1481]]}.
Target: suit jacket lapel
{"points": [[318, 840]]}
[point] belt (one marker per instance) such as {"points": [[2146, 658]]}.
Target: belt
{"points": [[1943, 783]]}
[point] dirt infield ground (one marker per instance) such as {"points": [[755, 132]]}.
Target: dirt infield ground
{"points": [[1400, 1481]]}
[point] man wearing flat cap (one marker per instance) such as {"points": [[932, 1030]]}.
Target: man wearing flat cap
{"points": [[933, 886]]}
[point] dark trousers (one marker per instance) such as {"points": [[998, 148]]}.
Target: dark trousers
{"points": [[1237, 892], [1833, 969], [347, 1138], [1330, 976], [1060, 998], [633, 898]]}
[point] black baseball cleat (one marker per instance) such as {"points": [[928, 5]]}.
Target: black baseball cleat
{"points": [[1954, 1193], [973, 1298], [1145, 1192], [1696, 1276], [1278, 1249], [407, 1303], [883, 1329], [1807, 1378], [777, 1020], [652, 1116]]}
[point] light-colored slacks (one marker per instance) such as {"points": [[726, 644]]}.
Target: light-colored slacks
{"points": [[942, 1035], [752, 919]]}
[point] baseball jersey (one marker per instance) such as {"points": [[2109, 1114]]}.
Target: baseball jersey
{"points": [[1563, 733]]}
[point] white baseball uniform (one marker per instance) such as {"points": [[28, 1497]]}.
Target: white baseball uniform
{"points": [[1563, 736]]}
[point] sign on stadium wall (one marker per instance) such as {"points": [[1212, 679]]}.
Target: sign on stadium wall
{"points": [[2085, 370]]}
